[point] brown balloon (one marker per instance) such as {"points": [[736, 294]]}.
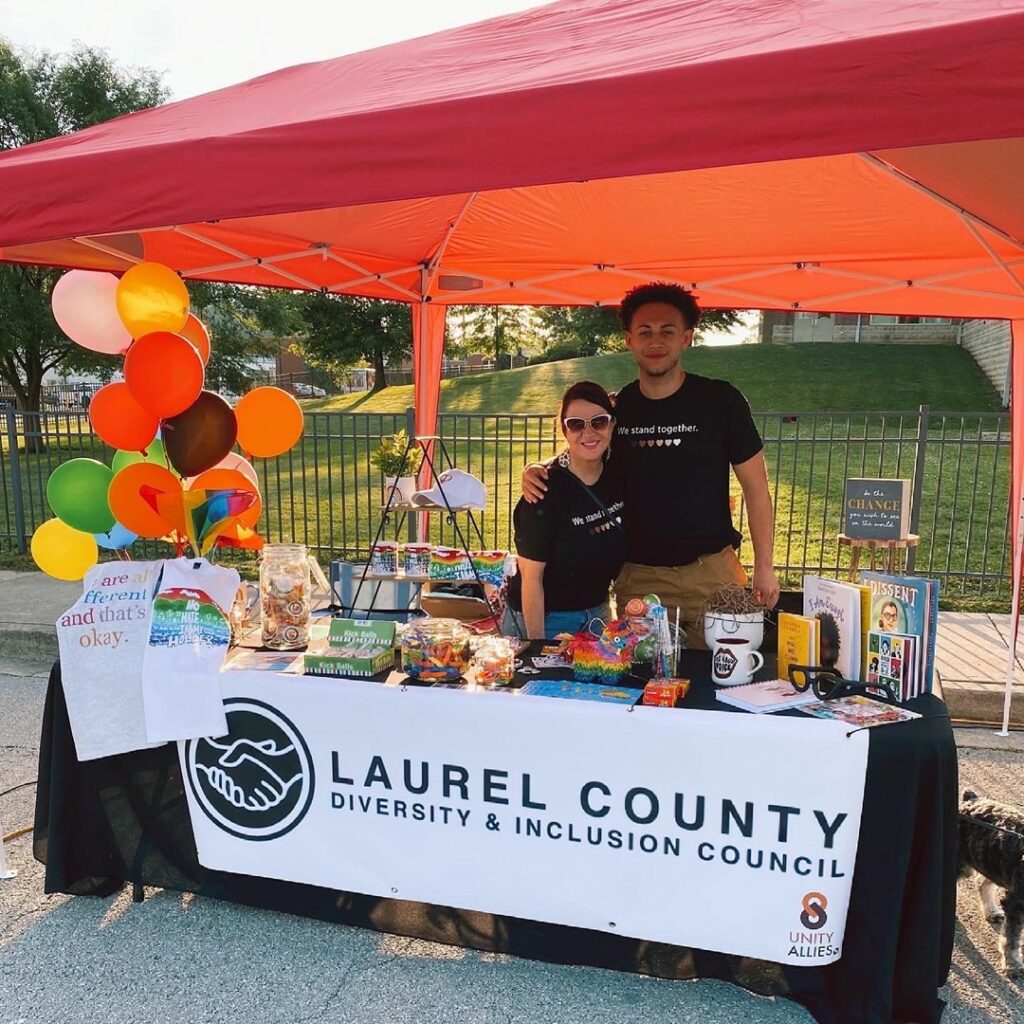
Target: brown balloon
{"points": [[198, 438]]}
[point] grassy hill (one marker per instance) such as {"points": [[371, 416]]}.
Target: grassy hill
{"points": [[775, 378]]}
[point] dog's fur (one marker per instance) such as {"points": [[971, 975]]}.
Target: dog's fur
{"points": [[992, 844]]}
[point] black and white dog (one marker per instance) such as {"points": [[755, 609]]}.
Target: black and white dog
{"points": [[992, 843]]}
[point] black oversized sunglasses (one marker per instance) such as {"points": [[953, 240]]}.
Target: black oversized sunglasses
{"points": [[829, 684], [577, 424]]}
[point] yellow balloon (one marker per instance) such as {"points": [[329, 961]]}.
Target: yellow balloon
{"points": [[151, 297], [63, 552]]}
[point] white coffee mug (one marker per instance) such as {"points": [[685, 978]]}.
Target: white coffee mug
{"points": [[734, 661]]}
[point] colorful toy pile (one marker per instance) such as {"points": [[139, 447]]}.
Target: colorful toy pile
{"points": [[174, 475], [605, 658]]}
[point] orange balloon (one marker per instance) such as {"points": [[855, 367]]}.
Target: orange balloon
{"points": [[269, 422], [151, 297], [120, 420], [196, 332], [164, 373], [229, 480], [130, 509]]}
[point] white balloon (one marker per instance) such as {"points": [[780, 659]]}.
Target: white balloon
{"points": [[85, 309], [233, 461]]}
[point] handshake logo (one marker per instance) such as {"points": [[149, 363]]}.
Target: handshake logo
{"points": [[256, 782]]}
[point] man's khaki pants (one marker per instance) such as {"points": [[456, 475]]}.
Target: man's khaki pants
{"points": [[684, 586]]}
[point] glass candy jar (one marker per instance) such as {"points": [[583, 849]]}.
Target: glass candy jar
{"points": [[494, 661], [435, 650], [285, 596]]}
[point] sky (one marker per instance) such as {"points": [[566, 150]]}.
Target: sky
{"points": [[202, 45]]}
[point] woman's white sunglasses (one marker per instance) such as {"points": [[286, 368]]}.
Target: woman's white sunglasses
{"points": [[577, 424]]}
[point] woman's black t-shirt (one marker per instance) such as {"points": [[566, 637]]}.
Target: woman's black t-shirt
{"points": [[582, 544]]}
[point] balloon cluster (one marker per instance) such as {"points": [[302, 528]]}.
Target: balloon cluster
{"points": [[174, 475]]}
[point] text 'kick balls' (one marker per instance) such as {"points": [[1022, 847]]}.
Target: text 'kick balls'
{"points": [[164, 373], [151, 297]]}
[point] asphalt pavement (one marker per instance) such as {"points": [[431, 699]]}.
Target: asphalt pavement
{"points": [[180, 959]]}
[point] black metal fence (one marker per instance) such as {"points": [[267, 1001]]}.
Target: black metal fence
{"points": [[326, 493]]}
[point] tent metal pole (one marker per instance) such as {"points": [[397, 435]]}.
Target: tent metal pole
{"points": [[1011, 657]]}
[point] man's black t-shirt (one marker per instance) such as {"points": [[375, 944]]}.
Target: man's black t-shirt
{"points": [[582, 544], [675, 454]]}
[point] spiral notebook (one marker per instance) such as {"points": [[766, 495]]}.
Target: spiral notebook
{"points": [[764, 697]]}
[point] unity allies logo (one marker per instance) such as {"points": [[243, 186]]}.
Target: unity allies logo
{"points": [[814, 916], [257, 781]]}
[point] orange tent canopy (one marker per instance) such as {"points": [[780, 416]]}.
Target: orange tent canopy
{"points": [[830, 155]]}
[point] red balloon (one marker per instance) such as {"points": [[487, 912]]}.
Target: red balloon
{"points": [[120, 420], [164, 373], [198, 438]]}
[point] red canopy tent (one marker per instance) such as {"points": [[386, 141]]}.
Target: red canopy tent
{"points": [[827, 155]]}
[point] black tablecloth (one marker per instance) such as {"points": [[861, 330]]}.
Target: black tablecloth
{"points": [[122, 819]]}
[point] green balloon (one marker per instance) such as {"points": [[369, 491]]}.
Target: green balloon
{"points": [[154, 453], [77, 493]]}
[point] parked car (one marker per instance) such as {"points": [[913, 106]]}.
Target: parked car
{"points": [[308, 390]]}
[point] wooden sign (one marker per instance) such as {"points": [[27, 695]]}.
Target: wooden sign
{"points": [[877, 509]]}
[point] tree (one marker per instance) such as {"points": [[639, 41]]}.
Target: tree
{"points": [[588, 330], [43, 95], [240, 319], [581, 330], [497, 330], [340, 330]]}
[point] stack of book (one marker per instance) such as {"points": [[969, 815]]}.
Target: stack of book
{"points": [[881, 629], [901, 635]]}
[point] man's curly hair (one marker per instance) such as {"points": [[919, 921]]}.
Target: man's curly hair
{"points": [[659, 291]]}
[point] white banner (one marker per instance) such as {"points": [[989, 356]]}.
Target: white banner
{"points": [[727, 832]]}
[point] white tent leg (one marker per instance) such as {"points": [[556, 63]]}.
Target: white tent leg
{"points": [[1011, 657], [5, 871]]}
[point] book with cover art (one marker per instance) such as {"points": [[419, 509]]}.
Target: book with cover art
{"points": [[764, 697], [837, 607], [860, 712], [572, 690], [907, 604], [798, 641], [894, 659]]}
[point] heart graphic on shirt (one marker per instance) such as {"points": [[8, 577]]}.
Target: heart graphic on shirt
{"points": [[660, 442], [676, 440]]}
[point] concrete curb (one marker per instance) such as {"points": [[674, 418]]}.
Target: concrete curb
{"points": [[29, 641]]}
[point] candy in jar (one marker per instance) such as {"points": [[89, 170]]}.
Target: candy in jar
{"points": [[494, 661], [285, 596], [435, 650]]}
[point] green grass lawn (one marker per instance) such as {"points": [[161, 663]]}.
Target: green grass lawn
{"points": [[819, 407], [775, 378]]}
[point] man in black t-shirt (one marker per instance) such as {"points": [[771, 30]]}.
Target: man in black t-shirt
{"points": [[677, 437]]}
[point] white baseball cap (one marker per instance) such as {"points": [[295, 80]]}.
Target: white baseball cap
{"points": [[462, 489]]}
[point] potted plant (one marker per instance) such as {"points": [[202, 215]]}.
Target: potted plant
{"points": [[733, 612], [392, 457]]}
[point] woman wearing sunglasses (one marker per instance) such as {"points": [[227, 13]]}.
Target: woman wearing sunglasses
{"points": [[572, 544]]}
